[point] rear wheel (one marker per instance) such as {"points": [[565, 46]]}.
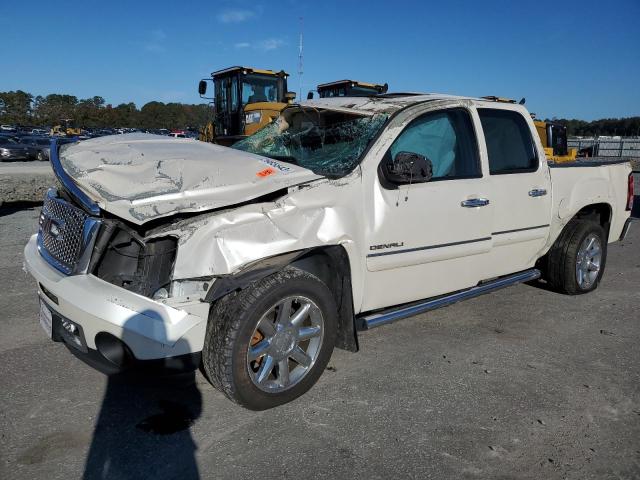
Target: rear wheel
{"points": [[269, 343], [40, 156], [575, 264]]}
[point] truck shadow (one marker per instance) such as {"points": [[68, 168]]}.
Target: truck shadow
{"points": [[9, 208], [143, 427]]}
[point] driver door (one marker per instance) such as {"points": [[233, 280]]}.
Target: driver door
{"points": [[430, 238]]}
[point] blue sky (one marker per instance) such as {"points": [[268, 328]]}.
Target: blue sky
{"points": [[577, 59]]}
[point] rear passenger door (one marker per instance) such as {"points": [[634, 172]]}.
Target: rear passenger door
{"points": [[520, 190]]}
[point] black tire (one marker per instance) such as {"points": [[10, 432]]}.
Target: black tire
{"points": [[560, 265], [232, 321], [40, 156]]}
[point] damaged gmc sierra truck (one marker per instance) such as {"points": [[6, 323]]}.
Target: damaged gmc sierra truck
{"points": [[254, 262]]}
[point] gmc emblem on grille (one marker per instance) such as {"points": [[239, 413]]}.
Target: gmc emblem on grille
{"points": [[50, 226]]}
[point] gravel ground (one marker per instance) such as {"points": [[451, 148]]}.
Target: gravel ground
{"points": [[24, 181], [522, 383]]}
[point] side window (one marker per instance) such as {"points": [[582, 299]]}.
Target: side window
{"points": [[234, 94], [509, 143], [221, 95], [446, 138]]}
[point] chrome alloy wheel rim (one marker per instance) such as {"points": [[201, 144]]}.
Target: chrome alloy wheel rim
{"points": [[588, 262], [285, 344]]}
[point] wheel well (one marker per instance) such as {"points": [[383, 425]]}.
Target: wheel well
{"points": [[331, 265], [598, 212]]}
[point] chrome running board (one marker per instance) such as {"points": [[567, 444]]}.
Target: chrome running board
{"points": [[392, 314]]}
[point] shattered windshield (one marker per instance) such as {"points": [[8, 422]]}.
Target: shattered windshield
{"points": [[327, 142]]}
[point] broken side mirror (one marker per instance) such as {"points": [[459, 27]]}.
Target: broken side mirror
{"points": [[202, 87], [407, 167]]}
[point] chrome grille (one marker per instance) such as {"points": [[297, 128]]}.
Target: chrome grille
{"points": [[66, 234]]}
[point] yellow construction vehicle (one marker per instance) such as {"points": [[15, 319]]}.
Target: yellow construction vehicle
{"points": [[554, 140], [349, 88], [245, 100], [552, 135], [65, 131]]}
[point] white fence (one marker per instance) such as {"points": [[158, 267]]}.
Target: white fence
{"points": [[608, 147]]}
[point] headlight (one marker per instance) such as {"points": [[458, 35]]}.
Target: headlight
{"points": [[5, 153], [252, 117]]}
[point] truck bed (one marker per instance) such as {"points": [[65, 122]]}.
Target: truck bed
{"points": [[594, 162]]}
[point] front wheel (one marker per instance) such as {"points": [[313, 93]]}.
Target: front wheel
{"points": [[269, 343]]}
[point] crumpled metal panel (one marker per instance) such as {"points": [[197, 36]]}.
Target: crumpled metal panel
{"points": [[140, 177], [380, 104], [219, 243]]}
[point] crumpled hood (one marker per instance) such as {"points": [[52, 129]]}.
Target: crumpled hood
{"points": [[141, 177]]}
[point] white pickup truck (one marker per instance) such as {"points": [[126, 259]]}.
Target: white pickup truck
{"points": [[253, 262]]}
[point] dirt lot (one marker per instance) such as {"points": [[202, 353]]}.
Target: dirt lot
{"points": [[522, 383]]}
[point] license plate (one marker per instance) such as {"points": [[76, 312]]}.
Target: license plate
{"points": [[46, 321]]}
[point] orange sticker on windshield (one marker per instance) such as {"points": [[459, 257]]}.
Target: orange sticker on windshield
{"points": [[266, 172]]}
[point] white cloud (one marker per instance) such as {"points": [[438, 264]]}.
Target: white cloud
{"points": [[270, 44], [236, 16], [264, 45]]}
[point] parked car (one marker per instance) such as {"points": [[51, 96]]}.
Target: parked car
{"points": [[4, 134], [39, 145], [341, 216], [12, 149]]}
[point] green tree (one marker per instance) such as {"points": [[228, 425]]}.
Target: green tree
{"points": [[15, 107]]}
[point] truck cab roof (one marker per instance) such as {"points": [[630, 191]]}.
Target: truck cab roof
{"points": [[387, 103]]}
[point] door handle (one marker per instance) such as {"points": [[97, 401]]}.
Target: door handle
{"points": [[537, 192], [474, 202]]}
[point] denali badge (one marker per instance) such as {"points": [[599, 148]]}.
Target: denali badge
{"points": [[386, 245]]}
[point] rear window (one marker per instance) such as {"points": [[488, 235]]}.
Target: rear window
{"points": [[509, 142]]}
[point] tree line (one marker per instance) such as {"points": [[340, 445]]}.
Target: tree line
{"points": [[624, 127], [22, 108]]}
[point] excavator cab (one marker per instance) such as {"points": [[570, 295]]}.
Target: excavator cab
{"points": [[245, 99], [350, 88], [554, 140]]}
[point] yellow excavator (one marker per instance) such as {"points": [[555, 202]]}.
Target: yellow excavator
{"points": [[245, 99], [65, 130], [552, 135]]}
